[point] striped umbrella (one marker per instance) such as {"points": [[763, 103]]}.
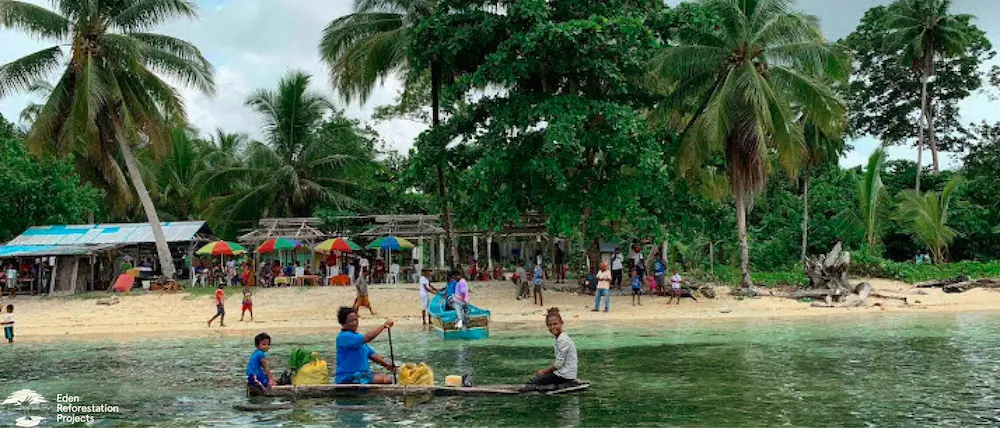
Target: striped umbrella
{"points": [[336, 244], [278, 244], [222, 248], [390, 243]]}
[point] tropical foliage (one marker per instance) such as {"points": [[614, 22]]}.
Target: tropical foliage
{"points": [[110, 95], [927, 217], [743, 81]]}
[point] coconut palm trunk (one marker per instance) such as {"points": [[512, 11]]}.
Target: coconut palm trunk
{"points": [[741, 226], [162, 250], [805, 215], [920, 128]]}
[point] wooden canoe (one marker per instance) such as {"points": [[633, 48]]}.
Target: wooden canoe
{"points": [[325, 391]]}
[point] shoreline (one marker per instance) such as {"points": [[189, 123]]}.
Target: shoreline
{"points": [[311, 310]]}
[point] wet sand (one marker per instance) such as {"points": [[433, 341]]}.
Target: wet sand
{"points": [[305, 310]]}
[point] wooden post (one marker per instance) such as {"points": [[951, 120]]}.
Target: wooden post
{"points": [[190, 258], [73, 276], [475, 248], [489, 253], [93, 272], [441, 252]]}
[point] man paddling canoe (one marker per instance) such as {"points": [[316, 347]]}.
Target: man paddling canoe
{"points": [[353, 351]]}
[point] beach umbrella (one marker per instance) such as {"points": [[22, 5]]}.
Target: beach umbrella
{"points": [[278, 244], [390, 243], [222, 248], [337, 244]]}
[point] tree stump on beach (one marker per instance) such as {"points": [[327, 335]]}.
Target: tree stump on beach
{"points": [[828, 272]]}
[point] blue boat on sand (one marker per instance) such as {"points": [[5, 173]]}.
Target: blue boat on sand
{"points": [[444, 321]]}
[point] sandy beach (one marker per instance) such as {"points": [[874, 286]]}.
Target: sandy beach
{"points": [[313, 310]]}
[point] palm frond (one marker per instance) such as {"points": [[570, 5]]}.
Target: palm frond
{"points": [[146, 14], [35, 20], [20, 74]]}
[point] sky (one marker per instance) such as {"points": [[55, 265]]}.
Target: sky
{"points": [[253, 43]]}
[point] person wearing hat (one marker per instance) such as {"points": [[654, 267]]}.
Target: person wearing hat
{"points": [[425, 295], [603, 288]]}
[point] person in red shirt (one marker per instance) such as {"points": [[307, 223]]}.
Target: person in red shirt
{"points": [[331, 265], [220, 307]]}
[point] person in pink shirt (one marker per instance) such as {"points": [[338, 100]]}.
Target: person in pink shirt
{"points": [[460, 301]]}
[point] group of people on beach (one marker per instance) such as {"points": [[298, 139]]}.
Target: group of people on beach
{"points": [[602, 282], [354, 355]]}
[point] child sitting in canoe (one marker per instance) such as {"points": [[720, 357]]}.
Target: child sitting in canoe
{"points": [[353, 351], [258, 369], [564, 369]]}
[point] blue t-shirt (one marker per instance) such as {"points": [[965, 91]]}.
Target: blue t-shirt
{"points": [[450, 288], [538, 274], [352, 353], [660, 267], [636, 282], [255, 368]]}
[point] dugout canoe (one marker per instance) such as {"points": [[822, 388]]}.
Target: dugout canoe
{"points": [[334, 391], [444, 321]]}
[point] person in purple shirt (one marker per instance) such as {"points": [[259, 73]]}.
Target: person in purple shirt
{"points": [[460, 301]]}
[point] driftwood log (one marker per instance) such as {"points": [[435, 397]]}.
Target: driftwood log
{"points": [[961, 287], [829, 271], [943, 282]]}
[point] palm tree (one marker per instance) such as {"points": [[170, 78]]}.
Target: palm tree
{"points": [[177, 173], [297, 167], [370, 45], [227, 147], [30, 112], [820, 147], [744, 79], [110, 95], [923, 30], [872, 196], [928, 217]]}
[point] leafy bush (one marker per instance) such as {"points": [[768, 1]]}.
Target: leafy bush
{"points": [[299, 358], [865, 264], [794, 276]]}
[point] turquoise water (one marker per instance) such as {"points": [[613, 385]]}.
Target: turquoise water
{"points": [[898, 370]]}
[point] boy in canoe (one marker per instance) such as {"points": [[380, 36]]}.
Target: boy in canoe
{"points": [[258, 369], [564, 369], [353, 351]]}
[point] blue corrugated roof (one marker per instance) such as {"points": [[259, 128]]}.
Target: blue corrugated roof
{"points": [[96, 234]]}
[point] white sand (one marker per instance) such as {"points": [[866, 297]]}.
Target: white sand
{"points": [[313, 309]]}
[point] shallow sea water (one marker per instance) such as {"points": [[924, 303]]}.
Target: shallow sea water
{"points": [[894, 370]]}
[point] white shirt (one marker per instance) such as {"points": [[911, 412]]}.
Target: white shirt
{"points": [[394, 269], [8, 318], [11, 273], [424, 282], [675, 282], [566, 361], [363, 263], [637, 258], [616, 262]]}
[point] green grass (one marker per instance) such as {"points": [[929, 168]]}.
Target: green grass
{"points": [[863, 266]]}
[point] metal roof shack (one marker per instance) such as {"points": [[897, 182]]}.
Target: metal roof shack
{"points": [[123, 233]]}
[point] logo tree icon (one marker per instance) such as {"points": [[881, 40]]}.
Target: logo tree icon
{"points": [[24, 399]]}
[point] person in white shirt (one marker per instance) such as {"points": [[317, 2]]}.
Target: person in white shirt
{"points": [[616, 269], [362, 266], [426, 289], [675, 288], [565, 367], [8, 324]]}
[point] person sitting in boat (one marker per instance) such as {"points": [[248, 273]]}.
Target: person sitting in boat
{"points": [[449, 289], [353, 351], [258, 369], [564, 369]]}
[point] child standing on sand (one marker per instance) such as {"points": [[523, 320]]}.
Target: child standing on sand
{"points": [[362, 299], [220, 307], [258, 369], [636, 288], [8, 324], [537, 280], [675, 288], [247, 304]]}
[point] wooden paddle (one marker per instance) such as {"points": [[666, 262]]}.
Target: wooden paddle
{"points": [[392, 357]]}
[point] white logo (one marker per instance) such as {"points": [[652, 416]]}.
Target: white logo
{"points": [[24, 399]]}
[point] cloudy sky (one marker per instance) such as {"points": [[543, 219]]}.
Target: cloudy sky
{"points": [[252, 43]]}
